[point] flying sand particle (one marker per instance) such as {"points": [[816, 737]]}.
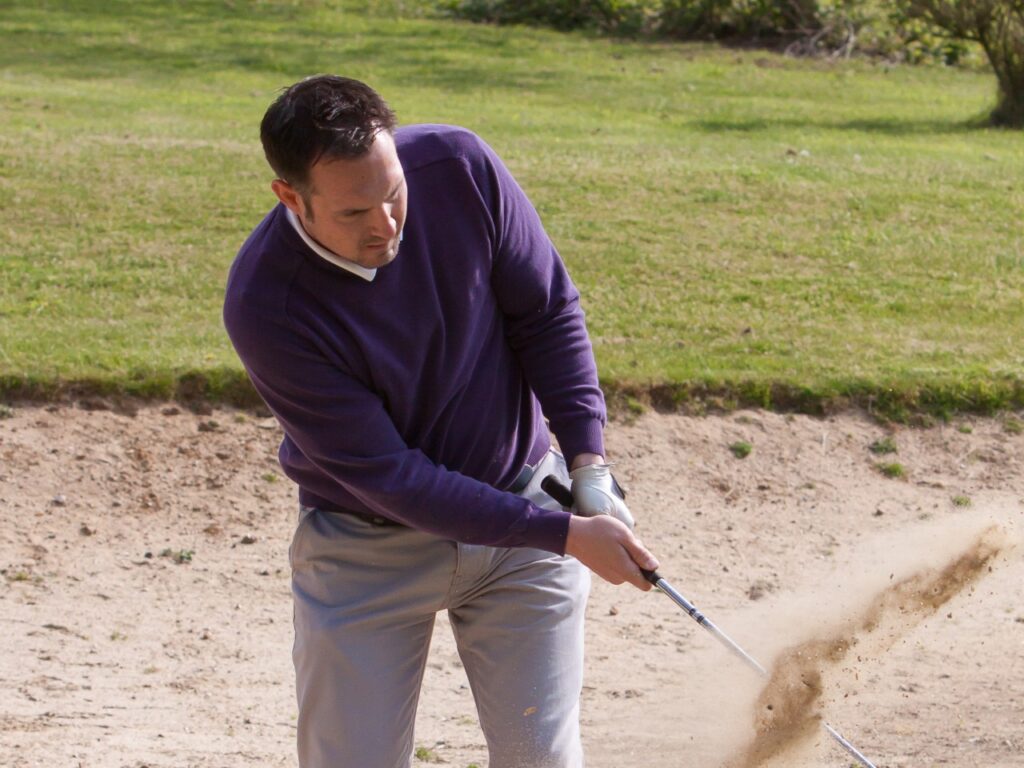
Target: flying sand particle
{"points": [[788, 710]]}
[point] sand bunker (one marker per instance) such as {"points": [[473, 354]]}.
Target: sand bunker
{"points": [[788, 711]]}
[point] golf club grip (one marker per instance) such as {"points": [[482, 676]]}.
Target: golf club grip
{"points": [[554, 488], [652, 576]]}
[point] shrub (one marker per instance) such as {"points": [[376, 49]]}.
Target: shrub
{"points": [[623, 16], [802, 27], [998, 27]]}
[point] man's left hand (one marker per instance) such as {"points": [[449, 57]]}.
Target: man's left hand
{"points": [[596, 493]]}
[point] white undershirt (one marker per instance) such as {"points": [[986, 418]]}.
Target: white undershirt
{"points": [[364, 272]]}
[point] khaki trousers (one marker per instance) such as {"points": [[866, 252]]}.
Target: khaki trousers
{"points": [[365, 600]]}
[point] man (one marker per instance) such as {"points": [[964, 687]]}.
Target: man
{"points": [[408, 322]]}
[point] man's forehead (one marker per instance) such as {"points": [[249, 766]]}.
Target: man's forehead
{"points": [[372, 174]]}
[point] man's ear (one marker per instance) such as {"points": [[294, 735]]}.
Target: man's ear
{"points": [[290, 196]]}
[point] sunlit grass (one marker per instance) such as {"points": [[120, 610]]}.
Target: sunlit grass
{"points": [[737, 222]]}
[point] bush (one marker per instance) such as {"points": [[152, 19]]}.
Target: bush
{"points": [[802, 27], [620, 16]]}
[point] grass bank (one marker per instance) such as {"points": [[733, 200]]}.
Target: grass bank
{"points": [[742, 226]]}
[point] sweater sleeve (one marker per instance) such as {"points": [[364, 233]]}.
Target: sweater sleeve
{"points": [[544, 321], [344, 429]]}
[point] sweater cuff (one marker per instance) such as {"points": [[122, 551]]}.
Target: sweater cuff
{"points": [[585, 436], [548, 530]]}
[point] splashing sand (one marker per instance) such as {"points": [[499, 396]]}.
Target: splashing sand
{"points": [[788, 708]]}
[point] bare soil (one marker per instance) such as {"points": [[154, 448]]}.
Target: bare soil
{"points": [[145, 611]]}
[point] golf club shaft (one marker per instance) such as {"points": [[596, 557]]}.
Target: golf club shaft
{"points": [[554, 488], [724, 639], [704, 621], [856, 753]]}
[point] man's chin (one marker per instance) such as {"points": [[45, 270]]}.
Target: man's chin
{"points": [[381, 258]]}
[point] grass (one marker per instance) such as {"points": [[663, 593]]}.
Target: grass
{"points": [[893, 470], [744, 228], [179, 556], [741, 449], [883, 446], [425, 755]]}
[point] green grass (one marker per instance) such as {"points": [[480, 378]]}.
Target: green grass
{"points": [[893, 470], [425, 755], [742, 226], [883, 446], [179, 556], [741, 449]]}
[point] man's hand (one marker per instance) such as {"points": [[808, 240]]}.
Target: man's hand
{"points": [[595, 493], [608, 548]]}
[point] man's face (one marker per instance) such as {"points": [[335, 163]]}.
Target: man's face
{"points": [[355, 207]]}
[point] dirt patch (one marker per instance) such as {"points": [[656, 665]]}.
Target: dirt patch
{"points": [[147, 618]]}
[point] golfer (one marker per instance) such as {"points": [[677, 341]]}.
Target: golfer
{"points": [[406, 318]]}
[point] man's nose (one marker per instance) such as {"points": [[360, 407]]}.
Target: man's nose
{"points": [[384, 223]]}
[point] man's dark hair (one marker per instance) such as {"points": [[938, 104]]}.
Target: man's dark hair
{"points": [[321, 116]]}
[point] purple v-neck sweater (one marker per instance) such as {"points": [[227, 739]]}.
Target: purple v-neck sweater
{"points": [[418, 395]]}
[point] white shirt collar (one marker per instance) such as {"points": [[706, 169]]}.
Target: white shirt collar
{"points": [[364, 272]]}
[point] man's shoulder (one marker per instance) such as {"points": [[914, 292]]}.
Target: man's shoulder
{"points": [[264, 265], [423, 144], [270, 236]]}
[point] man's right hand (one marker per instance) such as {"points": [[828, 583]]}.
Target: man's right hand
{"points": [[608, 548]]}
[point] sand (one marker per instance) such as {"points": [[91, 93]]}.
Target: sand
{"points": [[146, 615]]}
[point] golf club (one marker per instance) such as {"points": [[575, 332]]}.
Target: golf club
{"points": [[553, 487]]}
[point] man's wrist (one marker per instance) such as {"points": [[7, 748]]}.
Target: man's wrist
{"points": [[584, 459]]}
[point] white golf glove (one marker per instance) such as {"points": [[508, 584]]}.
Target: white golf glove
{"points": [[596, 493]]}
